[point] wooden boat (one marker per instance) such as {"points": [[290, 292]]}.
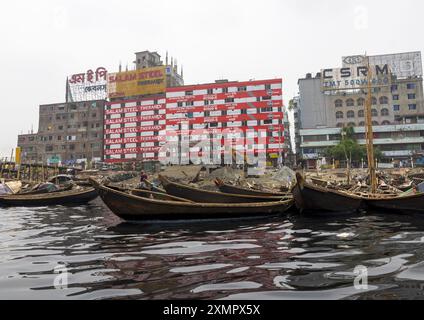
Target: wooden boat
{"points": [[227, 188], [45, 190], [146, 205], [203, 196], [48, 199], [319, 182], [312, 198], [401, 203]]}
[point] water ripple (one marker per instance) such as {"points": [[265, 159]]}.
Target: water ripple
{"points": [[297, 257]]}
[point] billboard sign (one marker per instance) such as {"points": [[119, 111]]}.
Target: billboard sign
{"points": [[354, 75], [402, 65], [137, 83], [87, 86]]}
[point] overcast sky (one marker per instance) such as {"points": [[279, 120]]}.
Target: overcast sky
{"points": [[43, 41]]}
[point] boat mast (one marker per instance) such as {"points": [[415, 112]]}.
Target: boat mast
{"points": [[369, 131]]}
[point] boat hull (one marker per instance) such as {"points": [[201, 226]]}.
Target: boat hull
{"points": [[134, 208], [406, 204], [57, 198], [203, 196], [226, 188], [313, 199]]}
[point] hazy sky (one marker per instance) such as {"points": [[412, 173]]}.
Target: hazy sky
{"points": [[44, 41]]}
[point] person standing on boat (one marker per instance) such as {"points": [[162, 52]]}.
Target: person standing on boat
{"points": [[143, 180]]}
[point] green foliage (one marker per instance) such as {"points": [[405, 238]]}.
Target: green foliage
{"points": [[349, 148]]}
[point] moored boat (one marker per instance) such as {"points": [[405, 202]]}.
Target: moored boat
{"points": [[204, 196], [146, 205], [312, 198], [412, 203], [77, 196], [231, 189]]}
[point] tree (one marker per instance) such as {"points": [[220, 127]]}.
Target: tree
{"points": [[349, 148]]}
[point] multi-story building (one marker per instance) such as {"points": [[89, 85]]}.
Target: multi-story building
{"points": [[143, 126], [132, 129], [147, 59], [397, 111], [68, 133]]}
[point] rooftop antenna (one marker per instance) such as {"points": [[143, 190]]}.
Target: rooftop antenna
{"points": [[166, 62], [120, 66], [182, 71]]}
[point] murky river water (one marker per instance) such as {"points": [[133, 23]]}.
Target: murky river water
{"points": [[88, 253]]}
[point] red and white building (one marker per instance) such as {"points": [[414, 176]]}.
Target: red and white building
{"points": [[137, 130]]}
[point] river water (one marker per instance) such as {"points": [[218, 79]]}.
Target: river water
{"points": [[87, 253]]}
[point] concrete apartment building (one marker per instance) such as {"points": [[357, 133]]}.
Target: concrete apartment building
{"points": [[397, 112], [68, 133]]}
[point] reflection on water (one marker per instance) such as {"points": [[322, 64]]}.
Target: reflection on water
{"points": [[94, 255]]}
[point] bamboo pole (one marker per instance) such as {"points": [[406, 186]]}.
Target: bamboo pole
{"points": [[2, 169], [369, 132], [10, 166]]}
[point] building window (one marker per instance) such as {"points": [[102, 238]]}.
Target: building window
{"points": [[267, 87], [374, 101], [411, 96], [49, 148], [268, 121], [396, 107], [411, 86], [374, 112], [412, 107], [350, 103], [351, 114], [394, 87], [384, 100], [361, 102], [351, 124], [385, 123], [180, 104], [224, 90], [361, 113], [210, 91], [396, 97], [229, 100], [340, 125], [384, 112], [190, 103], [362, 124], [189, 93], [338, 103], [339, 115], [375, 123], [241, 89], [213, 125], [265, 110], [59, 138], [266, 98]]}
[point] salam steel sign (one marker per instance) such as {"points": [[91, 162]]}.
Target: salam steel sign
{"points": [[137, 83]]}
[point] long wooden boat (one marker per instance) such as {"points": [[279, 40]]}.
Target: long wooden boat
{"points": [[402, 204], [203, 196], [49, 199], [45, 190], [312, 198], [231, 189], [147, 206]]}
